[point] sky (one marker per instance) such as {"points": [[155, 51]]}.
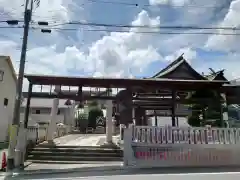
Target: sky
{"points": [[83, 51]]}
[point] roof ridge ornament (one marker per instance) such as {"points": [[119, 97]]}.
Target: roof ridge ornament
{"points": [[181, 56]]}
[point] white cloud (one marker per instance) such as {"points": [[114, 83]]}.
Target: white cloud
{"points": [[143, 19], [121, 53], [195, 12], [12, 8], [47, 10], [229, 62], [223, 42], [206, 13], [117, 54], [170, 2], [228, 44], [54, 10], [189, 54], [114, 55]]}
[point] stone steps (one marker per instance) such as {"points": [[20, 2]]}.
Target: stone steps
{"points": [[74, 158], [71, 162], [73, 153]]}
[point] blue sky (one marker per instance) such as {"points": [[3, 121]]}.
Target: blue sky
{"points": [[84, 53]]}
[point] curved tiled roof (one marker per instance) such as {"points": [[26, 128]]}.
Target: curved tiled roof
{"points": [[219, 75], [174, 67]]}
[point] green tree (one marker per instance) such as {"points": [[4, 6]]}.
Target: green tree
{"points": [[204, 109], [82, 120], [92, 104], [93, 114]]}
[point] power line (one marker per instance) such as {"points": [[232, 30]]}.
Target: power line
{"points": [[143, 32], [44, 23], [142, 26], [37, 2], [117, 3], [123, 31], [15, 22], [149, 5]]}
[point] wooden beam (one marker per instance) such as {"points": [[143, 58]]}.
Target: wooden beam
{"points": [[124, 83], [141, 100]]}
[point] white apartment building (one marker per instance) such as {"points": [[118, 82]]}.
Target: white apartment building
{"points": [[8, 81]]}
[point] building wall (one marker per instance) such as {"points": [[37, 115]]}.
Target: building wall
{"points": [[8, 90], [44, 115]]}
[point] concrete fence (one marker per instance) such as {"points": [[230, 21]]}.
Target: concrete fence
{"points": [[146, 146]]}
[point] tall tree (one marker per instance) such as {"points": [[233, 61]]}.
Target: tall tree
{"points": [[204, 112], [94, 113], [82, 119]]}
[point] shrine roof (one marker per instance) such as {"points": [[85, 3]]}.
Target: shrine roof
{"points": [[175, 67], [219, 75], [121, 82]]}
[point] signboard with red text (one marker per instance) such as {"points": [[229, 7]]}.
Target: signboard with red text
{"points": [[183, 155], [146, 146]]}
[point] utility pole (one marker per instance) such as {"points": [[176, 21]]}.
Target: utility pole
{"points": [[13, 131]]}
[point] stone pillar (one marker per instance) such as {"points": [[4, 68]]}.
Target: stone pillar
{"points": [[133, 116], [145, 120], [68, 120], [72, 115], [225, 110], [109, 122], [109, 125], [52, 125]]}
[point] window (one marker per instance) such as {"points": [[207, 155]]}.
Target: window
{"points": [[5, 102], [1, 75], [58, 112], [37, 111]]}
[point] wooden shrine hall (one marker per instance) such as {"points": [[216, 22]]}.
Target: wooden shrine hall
{"points": [[161, 92]]}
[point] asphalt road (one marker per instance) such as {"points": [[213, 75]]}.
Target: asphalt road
{"points": [[195, 176], [136, 174]]}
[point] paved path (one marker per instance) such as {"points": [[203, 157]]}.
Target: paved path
{"points": [[83, 164], [82, 140]]}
